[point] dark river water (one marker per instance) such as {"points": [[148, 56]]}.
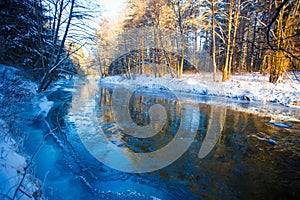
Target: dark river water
{"points": [[102, 147]]}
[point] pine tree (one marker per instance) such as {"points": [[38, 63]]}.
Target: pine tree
{"points": [[19, 36]]}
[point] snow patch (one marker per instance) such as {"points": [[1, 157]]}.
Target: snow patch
{"points": [[12, 168], [252, 87], [45, 106], [176, 85], [13, 84], [246, 87]]}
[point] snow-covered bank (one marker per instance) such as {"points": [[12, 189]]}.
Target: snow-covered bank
{"points": [[12, 169], [253, 88], [15, 181]]}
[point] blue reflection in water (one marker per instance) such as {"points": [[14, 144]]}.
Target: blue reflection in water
{"points": [[239, 166]]}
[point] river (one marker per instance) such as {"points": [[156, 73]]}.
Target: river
{"points": [[197, 151]]}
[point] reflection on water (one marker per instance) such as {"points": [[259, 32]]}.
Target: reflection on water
{"points": [[224, 161], [139, 105], [233, 163]]}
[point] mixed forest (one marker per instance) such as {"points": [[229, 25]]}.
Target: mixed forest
{"points": [[46, 37]]}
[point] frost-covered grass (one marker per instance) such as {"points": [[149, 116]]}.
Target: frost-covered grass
{"points": [[248, 87]]}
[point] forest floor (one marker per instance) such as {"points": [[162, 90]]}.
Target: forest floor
{"points": [[278, 100]]}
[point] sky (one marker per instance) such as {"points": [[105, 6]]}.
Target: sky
{"points": [[111, 8]]}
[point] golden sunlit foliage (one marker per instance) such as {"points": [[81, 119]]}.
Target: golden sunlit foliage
{"points": [[240, 35]]}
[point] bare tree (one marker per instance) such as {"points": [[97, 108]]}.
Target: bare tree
{"points": [[233, 22], [213, 40]]}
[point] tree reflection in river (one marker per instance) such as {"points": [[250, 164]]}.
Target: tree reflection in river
{"points": [[233, 165]]}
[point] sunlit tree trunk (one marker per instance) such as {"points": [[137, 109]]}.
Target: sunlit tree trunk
{"points": [[278, 56], [213, 41], [226, 66], [235, 28], [177, 8]]}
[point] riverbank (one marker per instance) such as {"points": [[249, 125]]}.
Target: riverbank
{"points": [[280, 101], [16, 179]]}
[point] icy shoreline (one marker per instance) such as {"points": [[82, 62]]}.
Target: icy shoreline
{"points": [[15, 180], [280, 101]]}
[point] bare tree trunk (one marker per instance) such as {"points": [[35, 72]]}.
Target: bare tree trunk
{"points": [[236, 24], [100, 64], [49, 76], [244, 50], [213, 40], [168, 61], [178, 13], [180, 23], [180, 70], [195, 41], [252, 54], [154, 53], [55, 36], [143, 52], [39, 8], [225, 70]]}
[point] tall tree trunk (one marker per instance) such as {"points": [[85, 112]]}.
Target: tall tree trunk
{"points": [[154, 52], [168, 61], [213, 41], [205, 48], [242, 65], [236, 24], [39, 9], [253, 53], [178, 13], [101, 71], [225, 70], [143, 52], [182, 57]]}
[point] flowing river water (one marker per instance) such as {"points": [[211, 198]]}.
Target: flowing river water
{"points": [[230, 154]]}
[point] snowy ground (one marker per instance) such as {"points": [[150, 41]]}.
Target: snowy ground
{"points": [[12, 169], [14, 89], [280, 100]]}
